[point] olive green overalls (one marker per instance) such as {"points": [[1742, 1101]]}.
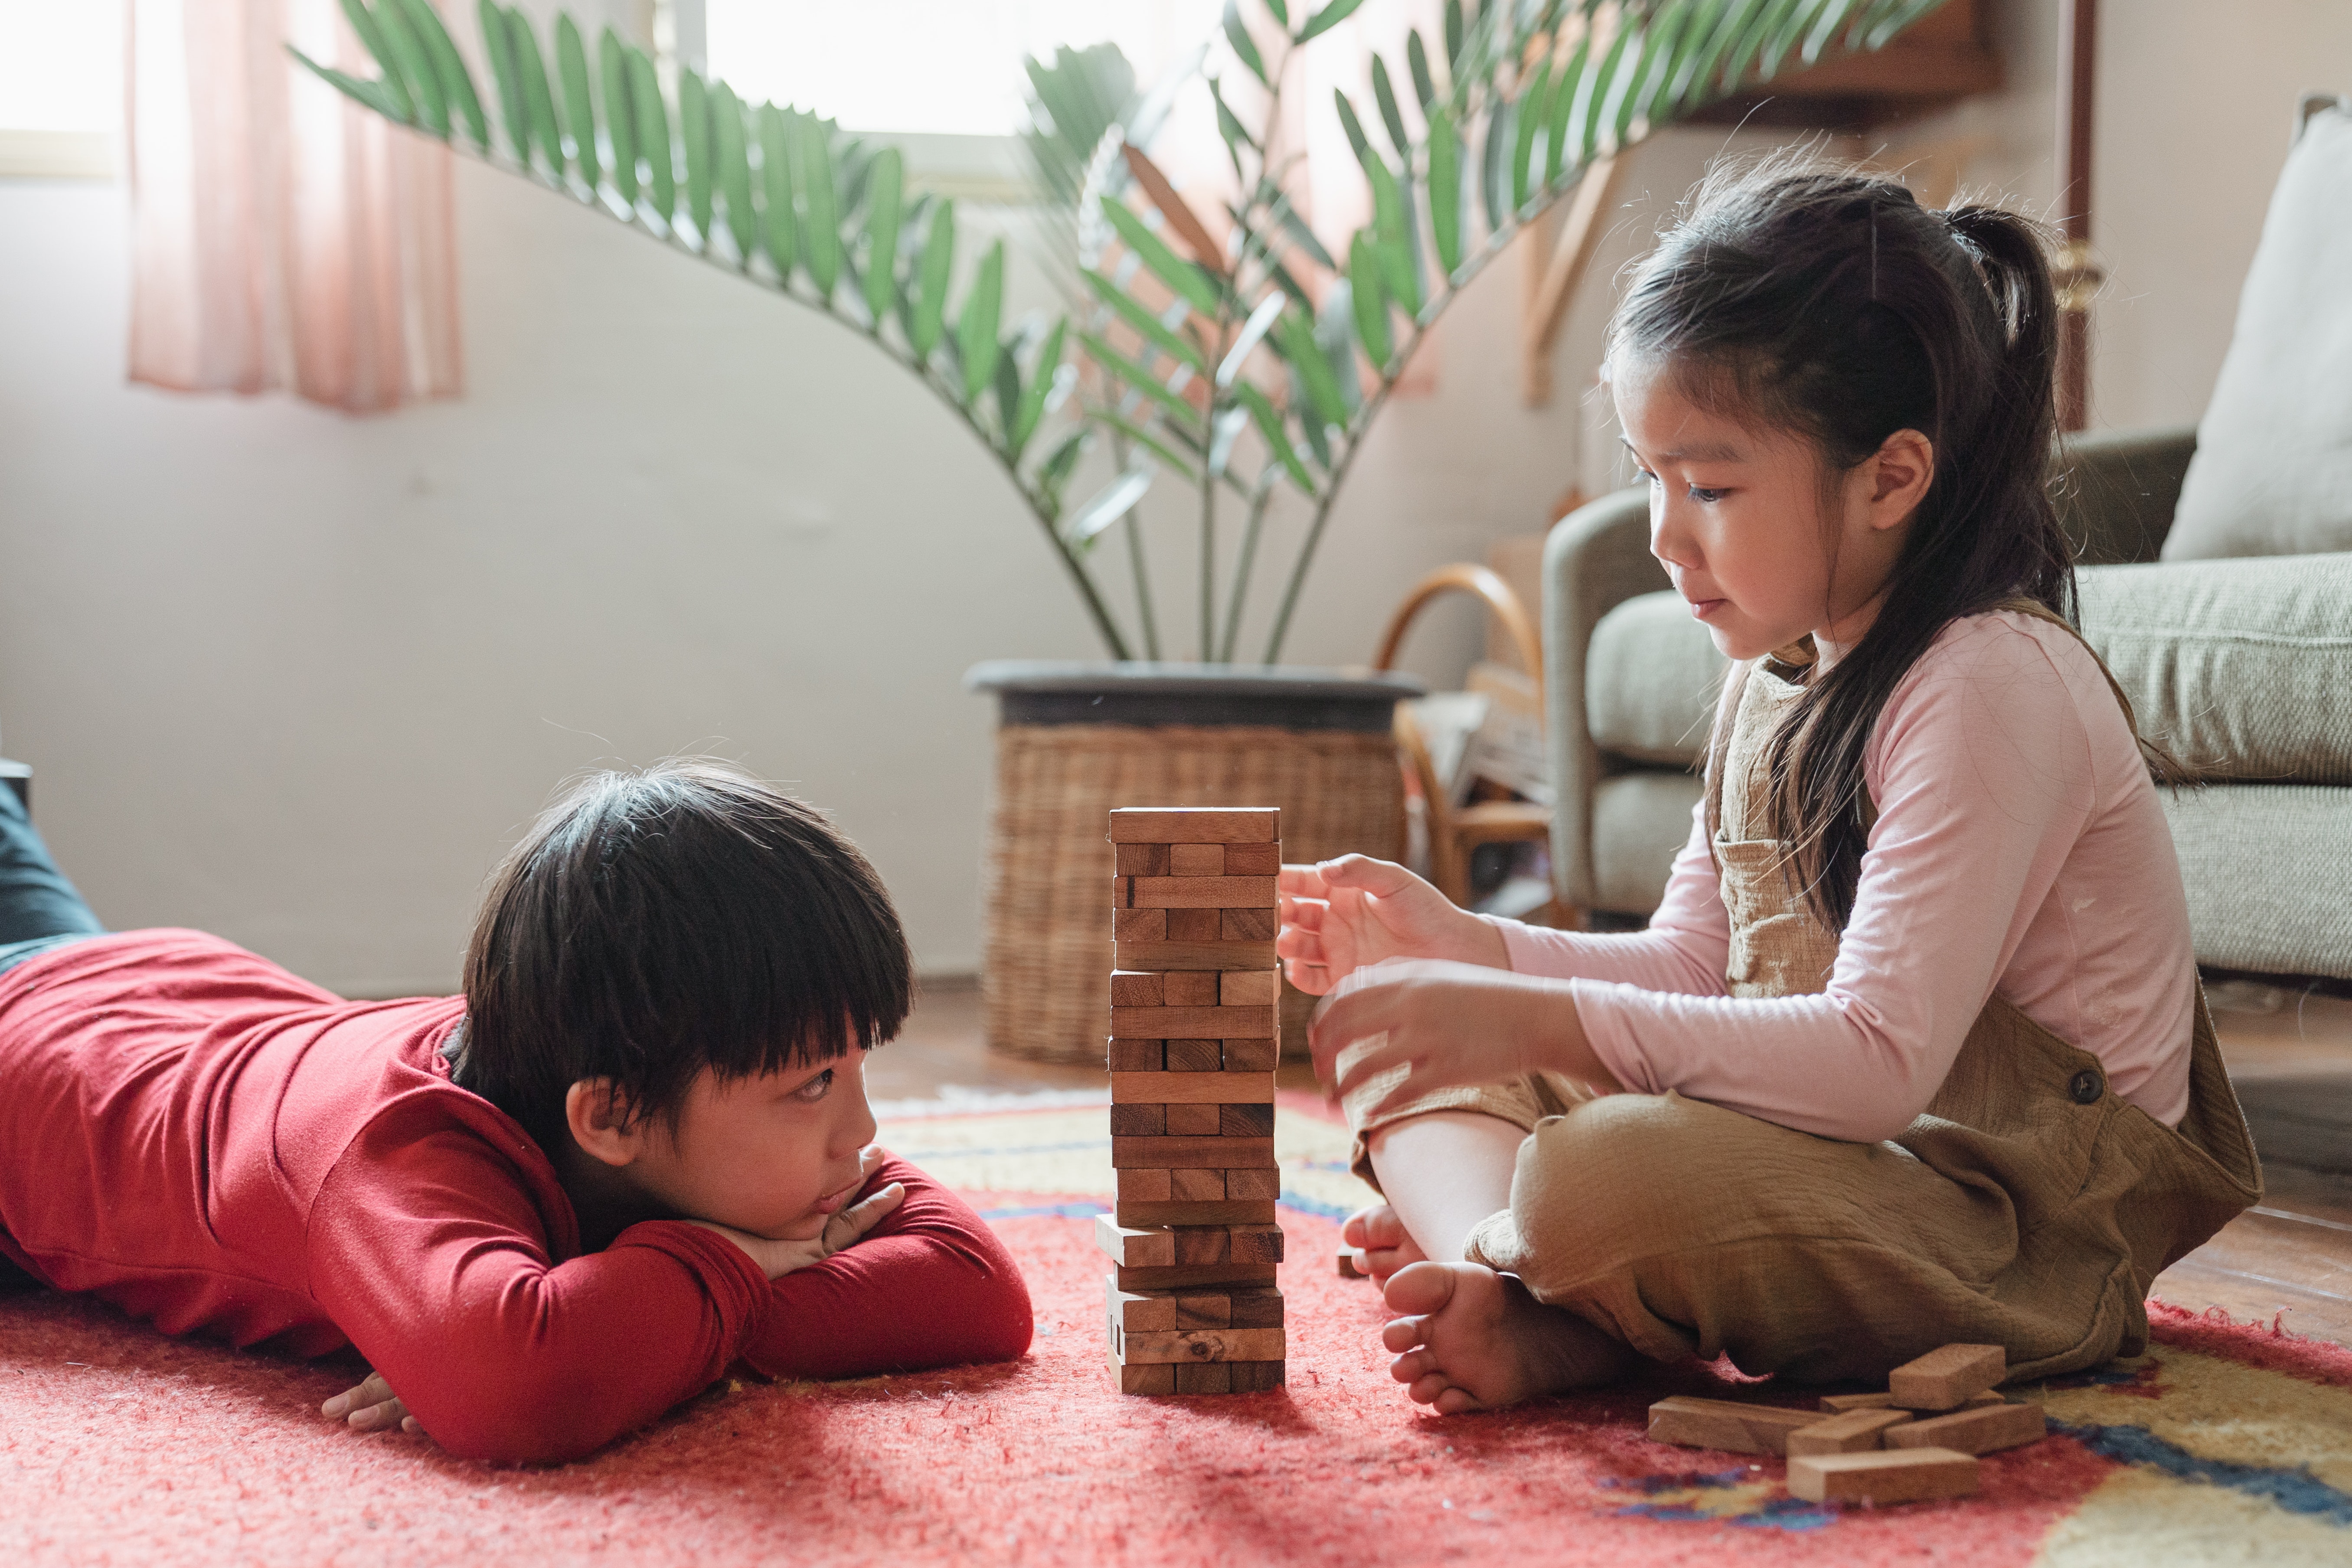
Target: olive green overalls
{"points": [[2029, 1208]]}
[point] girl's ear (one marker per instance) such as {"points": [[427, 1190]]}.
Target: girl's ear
{"points": [[598, 1117], [1903, 469]]}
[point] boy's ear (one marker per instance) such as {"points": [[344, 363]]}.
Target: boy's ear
{"points": [[598, 1116]]}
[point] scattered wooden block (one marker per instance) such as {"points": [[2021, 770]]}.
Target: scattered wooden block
{"points": [[1259, 1184], [1145, 1186], [1207, 1211], [1135, 1248], [1201, 893], [1249, 923], [1253, 1055], [1203, 1311], [1253, 859], [1204, 1377], [1253, 1244], [1147, 1378], [1166, 1087], [1191, 1023], [1195, 824], [1142, 860], [1351, 1263], [1725, 1424], [1195, 1056], [1198, 1277], [1189, 988], [1212, 953], [1203, 1345], [1838, 1404], [1136, 1313], [1187, 1120], [1249, 988], [1255, 1377], [1885, 1475], [1943, 1379], [1244, 1121], [1141, 925], [1981, 1431], [1204, 1244], [1140, 1120], [1192, 1154], [1132, 988], [1195, 860], [1137, 1055], [1196, 925], [1199, 1186], [1851, 1433]]}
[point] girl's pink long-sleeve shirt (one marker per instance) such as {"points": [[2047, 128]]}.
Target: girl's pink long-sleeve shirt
{"points": [[2020, 850], [204, 1139]]}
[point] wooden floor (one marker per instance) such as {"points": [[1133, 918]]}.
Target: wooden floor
{"points": [[2289, 1051]]}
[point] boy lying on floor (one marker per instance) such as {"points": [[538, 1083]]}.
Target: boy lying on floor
{"points": [[633, 1154]]}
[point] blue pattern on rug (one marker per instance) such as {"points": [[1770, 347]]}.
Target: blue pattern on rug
{"points": [[2297, 1491]]}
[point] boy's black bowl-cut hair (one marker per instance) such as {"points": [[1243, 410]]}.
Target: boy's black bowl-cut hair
{"points": [[652, 924]]}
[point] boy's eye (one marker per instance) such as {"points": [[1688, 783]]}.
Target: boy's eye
{"points": [[816, 1088]]}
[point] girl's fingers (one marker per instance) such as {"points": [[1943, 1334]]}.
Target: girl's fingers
{"points": [[1380, 879], [1299, 880]]}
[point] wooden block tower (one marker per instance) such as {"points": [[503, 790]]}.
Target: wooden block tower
{"points": [[1192, 1307]]}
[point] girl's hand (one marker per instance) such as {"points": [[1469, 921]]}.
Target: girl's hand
{"points": [[1339, 915], [1447, 1026], [777, 1258], [373, 1407]]}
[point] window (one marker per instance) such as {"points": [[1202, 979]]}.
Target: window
{"points": [[60, 88]]}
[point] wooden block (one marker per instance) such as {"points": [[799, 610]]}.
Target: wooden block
{"points": [[1203, 1345], [1204, 1377], [1195, 1187], [1195, 926], [1249, 988], [1209, 1211], [1195, 1056], [1253, 1244], [1848, 1433], [1256, 1309], [1189, 988], [1205, 1244], [1136, 1057], [1145, 1186], [1147, 1378], [1885, 1476], [1838, 1404], [1201, 893], [1167, 1088], [1189, 1120], [1723, 1424], [1203, 1311], [1194, 1154], [1191, 1023], [1255, 1377], [1211, 953], [1244, 1121], [1195, 860], [1253, 1055], [1352, 1263], [1254, 1184], [1253, 859], [1122, 892], [1195, 1277], [1140, 1120], [1141, 925], [1135, 1248], [1195, 824], [1250, 924], [1132, 988], [1943, 1379], [1142, 860], [1138, 1313], [1980, 1431]]}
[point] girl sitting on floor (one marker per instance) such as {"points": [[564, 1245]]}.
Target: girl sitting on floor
{"points": [[1914, 1050], [634, 1154]]}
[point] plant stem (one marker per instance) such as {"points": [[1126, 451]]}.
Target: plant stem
{"points": [[1142, 588], [1208, 565], [1242, 568]]}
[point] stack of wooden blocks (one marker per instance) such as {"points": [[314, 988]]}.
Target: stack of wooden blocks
{"points": [[1192, 1306], [1918, 1439]]}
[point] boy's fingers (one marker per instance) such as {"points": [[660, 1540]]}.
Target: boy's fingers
{"points": [[867, 1212], [373, 1390]]}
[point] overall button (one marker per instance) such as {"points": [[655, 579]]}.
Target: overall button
{"points": [[2086, 1087]]}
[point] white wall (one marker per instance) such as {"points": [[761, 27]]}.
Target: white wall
{"points": [[300, 679]]}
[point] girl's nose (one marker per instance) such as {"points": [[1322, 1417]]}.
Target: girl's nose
{"points": [[1670, 539]]}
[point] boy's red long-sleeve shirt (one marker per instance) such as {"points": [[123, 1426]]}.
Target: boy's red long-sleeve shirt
{"points": [[202, 1139]]}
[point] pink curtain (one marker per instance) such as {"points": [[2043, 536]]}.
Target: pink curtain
{"points": [[282, 237]]}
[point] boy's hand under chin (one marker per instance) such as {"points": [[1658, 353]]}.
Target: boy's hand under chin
{"points": [[778, 1258]]}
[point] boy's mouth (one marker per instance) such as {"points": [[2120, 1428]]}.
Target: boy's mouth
{"points": [[834, 1199]]}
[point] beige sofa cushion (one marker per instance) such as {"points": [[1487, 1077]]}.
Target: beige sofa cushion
{"points": [[1650, 682], [2272, 473]]}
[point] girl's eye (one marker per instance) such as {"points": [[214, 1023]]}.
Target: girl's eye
{"points": [[1706, 497], [816, 1088]]}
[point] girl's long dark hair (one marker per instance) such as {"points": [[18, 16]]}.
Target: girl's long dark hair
{"points": [[1829, 302]]}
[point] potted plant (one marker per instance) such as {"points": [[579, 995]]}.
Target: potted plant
{"points": [[1219, 347]]}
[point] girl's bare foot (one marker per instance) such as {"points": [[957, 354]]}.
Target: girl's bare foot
{"points": [[1382, 1235], [1471, 1338]]}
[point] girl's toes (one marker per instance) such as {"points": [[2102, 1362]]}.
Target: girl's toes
{"points": [[1454, 1402], [1383, 1229], [1431, 1388], [1403, 1333], [1352, 1230], [1412, 1366], [1419, 1289]]}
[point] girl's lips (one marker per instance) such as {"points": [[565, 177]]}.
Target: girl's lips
{"points": [[1702, 608]]}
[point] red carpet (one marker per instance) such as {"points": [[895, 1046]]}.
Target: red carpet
{"points": [[120, 1446]]}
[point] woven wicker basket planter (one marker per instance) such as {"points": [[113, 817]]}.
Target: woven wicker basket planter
{"points": [[1076, 740]]}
